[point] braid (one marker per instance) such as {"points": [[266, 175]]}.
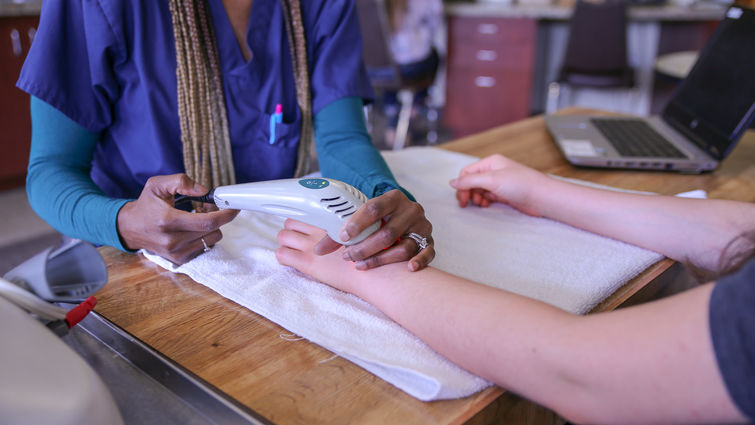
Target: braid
{"points": [[201, 104]]}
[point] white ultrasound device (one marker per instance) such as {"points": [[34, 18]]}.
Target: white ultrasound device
{"points": [[323, 203]]}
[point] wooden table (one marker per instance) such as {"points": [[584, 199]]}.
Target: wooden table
{"points": [[297, 382]]}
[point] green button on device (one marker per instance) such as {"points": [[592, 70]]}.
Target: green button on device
{"points": [[314, 183]]}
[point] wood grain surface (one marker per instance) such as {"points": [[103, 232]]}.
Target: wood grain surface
{"points": [[291, 381]]}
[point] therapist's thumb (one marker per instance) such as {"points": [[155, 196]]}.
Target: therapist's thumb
{"points": [[174, 184]]}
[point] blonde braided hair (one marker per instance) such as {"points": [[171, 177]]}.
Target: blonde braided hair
{"points": [[201, 103]]}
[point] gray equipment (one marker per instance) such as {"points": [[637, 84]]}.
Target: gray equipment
{"points": [[71, 272], [44, 381]]}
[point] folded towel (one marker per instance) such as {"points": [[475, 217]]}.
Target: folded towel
{"points": [[243, 268], [498, 246]]}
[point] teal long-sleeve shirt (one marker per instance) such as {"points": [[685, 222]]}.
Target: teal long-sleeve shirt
{"points": [[62, 192]]}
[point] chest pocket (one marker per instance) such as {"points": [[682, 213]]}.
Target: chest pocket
{"points": [[256, 158], [279, 130], [260, 127]]}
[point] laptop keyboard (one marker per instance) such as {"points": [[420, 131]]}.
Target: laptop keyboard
{"points": [[635, 138]]}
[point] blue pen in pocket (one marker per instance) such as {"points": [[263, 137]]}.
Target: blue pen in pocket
{"points": [[276, 118]]}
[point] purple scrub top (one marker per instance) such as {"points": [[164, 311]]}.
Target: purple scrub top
{"points": [[110, 66]]}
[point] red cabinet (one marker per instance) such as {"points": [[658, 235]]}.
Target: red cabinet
{"points": [[490, 69], [16, 35]]}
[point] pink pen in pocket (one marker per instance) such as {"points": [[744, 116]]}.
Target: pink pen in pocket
{"points": [[276, 118]]}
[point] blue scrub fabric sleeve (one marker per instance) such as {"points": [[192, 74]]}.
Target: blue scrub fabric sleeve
{"points": [[335, 47], [345, 150], [58, 184], [70, 64]]}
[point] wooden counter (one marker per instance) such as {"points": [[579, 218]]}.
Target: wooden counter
{"points": [[296, 382]]}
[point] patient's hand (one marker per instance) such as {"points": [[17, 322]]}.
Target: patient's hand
{"points": [[297, 241], [497, 179]]}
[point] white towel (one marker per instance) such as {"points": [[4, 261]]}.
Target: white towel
{"points": [[501, 247], [498, 246]]}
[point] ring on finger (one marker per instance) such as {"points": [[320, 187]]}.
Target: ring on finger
{"points": [[421, 241], [206, 248]]}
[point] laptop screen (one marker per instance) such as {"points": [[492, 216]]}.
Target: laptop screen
{"points": [[715, 104]]}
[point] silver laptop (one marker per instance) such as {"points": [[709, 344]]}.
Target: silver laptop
{"points": [[703, 120]]}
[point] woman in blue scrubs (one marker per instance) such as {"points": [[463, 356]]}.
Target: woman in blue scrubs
{"points": [[136, 101]]}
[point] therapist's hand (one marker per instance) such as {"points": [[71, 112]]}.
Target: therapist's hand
{"points": [[152, 223], [401, 216], [498, 179]]}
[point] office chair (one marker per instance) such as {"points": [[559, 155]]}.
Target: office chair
{"points": [[596, 53], [385, 74]]}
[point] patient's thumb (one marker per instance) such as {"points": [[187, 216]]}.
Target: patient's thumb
{"points": [[471, 181]]}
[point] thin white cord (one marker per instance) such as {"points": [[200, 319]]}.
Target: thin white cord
{"points": [[30, 302]]}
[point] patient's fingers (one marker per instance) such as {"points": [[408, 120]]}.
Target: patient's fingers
{"points": [[289, 257], [463, 197], [476, 197], [304, 228], [294, 239]]}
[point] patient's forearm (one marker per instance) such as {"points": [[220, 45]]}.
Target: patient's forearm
{"points": [[468, 322], [684, 229], [595, 368], [608, 367]]}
